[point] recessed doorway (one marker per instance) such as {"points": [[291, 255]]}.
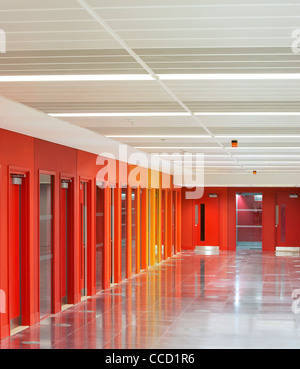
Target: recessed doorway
{"points": [[249, 221]]}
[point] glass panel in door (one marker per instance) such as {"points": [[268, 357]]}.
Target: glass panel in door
{"points": [[46, 244]]}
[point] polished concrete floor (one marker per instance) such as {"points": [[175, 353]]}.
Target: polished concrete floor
{"points": [[232, 300]]}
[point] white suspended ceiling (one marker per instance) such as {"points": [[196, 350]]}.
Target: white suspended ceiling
{"points": [[154, 38]]}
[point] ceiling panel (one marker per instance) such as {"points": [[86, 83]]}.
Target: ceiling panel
{"points": [[170, 37]]}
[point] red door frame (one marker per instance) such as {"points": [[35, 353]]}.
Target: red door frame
{"points": [[91, 246], [117, 233], [128, 233], [101, 207], [71, 235], [107, 237], [25, 269]]}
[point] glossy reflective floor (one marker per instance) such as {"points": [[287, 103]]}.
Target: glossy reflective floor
{"points": [[230, 300]]}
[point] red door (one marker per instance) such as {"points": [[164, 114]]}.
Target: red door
{"points": [[206, 221], [83, 235], [287, 222]]}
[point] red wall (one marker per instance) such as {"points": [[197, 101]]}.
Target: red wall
{"points": [[227, 217], [15, 151], [20, 153], [37, 156]]}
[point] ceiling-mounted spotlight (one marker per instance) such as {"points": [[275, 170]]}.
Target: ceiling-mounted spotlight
{"points": [[234, 143]]}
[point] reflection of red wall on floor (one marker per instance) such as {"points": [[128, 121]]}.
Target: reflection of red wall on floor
{"points": [[227, 215]]}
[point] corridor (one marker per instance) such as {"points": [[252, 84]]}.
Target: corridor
{"points": [[232, 300]]}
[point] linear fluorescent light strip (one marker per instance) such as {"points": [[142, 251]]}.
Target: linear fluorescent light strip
{"points": [[256, 136], [157, 136], [172, 114], [233, 166], [231, 76], [80, 77], [277, 170], [271, 166], [203, 136], [149, 77], [208, 162], [145, 77], [268, 162], [178, 147], [266, 155], [139, 114], [285, 113], [264, 148], [173, 156]]}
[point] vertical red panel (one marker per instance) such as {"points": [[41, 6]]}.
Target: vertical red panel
{"points": [[117, 233], [168, 228], [144, 228], [107, 239], [231, 216], [81, 252], [63, 241], [92, 236], [178, 221], [14, 255], [129, 233], [138, 230], [223, 219]]}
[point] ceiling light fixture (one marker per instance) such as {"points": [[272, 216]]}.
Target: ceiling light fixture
{"points": [[173, 156], [79, 77], [265, 156], [231, 76], [266, 148], [258, 136], [179, 147], [157, 136], [251, 113], [139, 114]]}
